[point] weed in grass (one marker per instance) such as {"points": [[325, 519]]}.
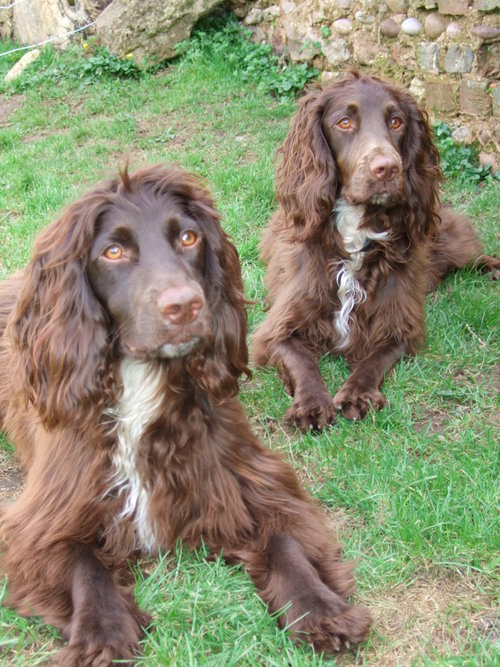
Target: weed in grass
{"points": [[77, 65], [457, 160]]}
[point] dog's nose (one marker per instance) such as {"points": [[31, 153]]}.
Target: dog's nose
{"points": [[384, 167], [180, 305]]}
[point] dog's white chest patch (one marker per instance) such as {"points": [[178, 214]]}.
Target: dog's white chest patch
{"points": [[136, 408], [348, 218]]}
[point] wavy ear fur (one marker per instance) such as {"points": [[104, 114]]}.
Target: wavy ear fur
{"points": [[59, 329], [307, 179], [227, 358], [421, 170]]}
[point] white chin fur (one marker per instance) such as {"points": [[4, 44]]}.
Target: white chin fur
{"points": [[168, 351], [381, 200]]}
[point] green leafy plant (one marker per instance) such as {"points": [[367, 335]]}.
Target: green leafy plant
{"points": [[311, 47], [224, 38], [101, 63], [77, 63], [457, 160]]}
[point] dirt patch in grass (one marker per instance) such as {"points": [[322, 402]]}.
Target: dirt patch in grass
{"points": [[434, 421], [343, 523], [7, 107], [440, 615], [11, 478], [165, 130], [249, 158], [45, 133], [492, 380], [271, 430], [136, 158]]}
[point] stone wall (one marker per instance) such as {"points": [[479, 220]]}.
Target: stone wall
{"points": [[447, 52]]}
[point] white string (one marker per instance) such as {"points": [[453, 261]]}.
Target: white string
{"points": [[46, 41], [16, 2]]}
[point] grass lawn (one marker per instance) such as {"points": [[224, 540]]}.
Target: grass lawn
{"points": [[412, 491]]}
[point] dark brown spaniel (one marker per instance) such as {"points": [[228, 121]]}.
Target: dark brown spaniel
{"points": [[122, 348], [357, 242]]}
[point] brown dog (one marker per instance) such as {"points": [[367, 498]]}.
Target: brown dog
{"points": [[358, 241], [123, 345]]}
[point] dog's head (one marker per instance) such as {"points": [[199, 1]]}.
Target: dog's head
{"points": [[365, 128], [139, 267], [362, 139]]}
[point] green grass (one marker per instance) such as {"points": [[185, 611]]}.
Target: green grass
{"points": [[413, 489]]}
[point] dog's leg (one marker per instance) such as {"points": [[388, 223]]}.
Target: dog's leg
{"points": [[361, 390], [290, 554], [106, 624], [488, 264], [456, 246], [310, 610], [312, 407]]}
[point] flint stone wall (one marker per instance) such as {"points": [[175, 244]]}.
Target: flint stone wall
{"points": [[447, 52]]}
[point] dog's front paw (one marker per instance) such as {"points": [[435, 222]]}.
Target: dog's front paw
{"points": [[313, 414], [92, 655], [354, 404], [104, 641], [332, 632]]}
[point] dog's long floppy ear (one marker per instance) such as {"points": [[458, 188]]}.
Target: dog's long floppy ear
{"points": [[59, 329], [422, 173], [227, 358], [307, 179]]}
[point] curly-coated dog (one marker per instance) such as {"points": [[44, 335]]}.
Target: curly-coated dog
{"points": [[123, 342], [358, 241]]}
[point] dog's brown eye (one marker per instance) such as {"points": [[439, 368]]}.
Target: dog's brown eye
{"points": [[345, 123], [188, 238], [396, 123], [113, 252]]}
